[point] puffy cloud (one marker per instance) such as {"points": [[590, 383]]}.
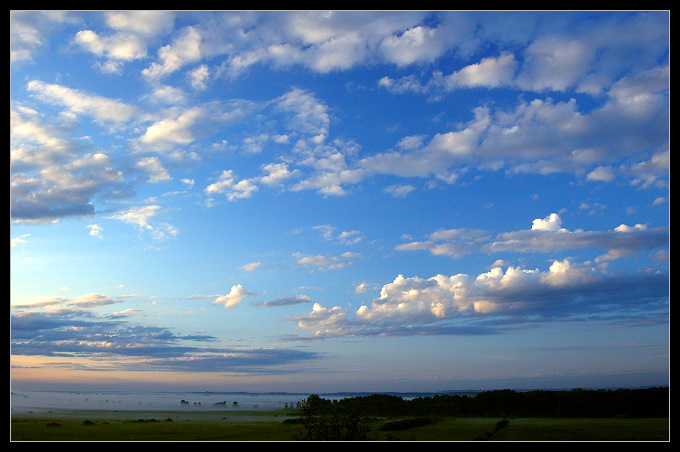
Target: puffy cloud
{"points": [[140, 216], [551, 223], [325, 322], [234, 297], [117, 47], [50, 179], [326, 262], [184, 50], [199, 76], [417, 299], [252, 266], [417, 44], [174, 130], [541, 136], [544, 136], [322, 41], [490, 72], [100, 108], [165, 94], [546, 235], [149, 23], [306, 113], [325, 41], [155, 169], [613, 242], [515, 291], [29, 31], [344, 237], [361, 288], [513, 280], [21, 240], [602, 173], [92, 300], [436, 157], [226, 184], [330, 183], [654, 172], [62, 190], [399, 190], [133, 31], [568, 57], [493, 301], [95, 230], [70, 306], [563, 273], [555, 63], [408, 83], [450, 242], [299, 118], [337, 40], [277, 174]]}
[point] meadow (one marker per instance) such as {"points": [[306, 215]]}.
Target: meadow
{"points": [[505, 415], [269, 426]]}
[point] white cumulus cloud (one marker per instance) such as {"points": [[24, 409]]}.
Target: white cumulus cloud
{"points": [[236, 295]]}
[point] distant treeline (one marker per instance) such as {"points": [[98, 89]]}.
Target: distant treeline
{"points": [[650, 402]]}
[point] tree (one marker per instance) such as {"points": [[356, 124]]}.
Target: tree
{"points": [[324, 421]]}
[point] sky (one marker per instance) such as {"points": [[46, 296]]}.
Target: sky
{"points": [[322, 201]]}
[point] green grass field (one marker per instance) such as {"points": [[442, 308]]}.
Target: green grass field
{"points": [[122, 430], [545, 429], [268, 428]]}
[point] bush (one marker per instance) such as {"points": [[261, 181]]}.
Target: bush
{"points": [[325, 422]]}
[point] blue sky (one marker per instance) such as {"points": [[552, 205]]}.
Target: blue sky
{"points": [[339, 201]]}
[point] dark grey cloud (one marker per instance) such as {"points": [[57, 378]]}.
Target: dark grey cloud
{"points": [[251, 360], [126, 345], [284, 301]]}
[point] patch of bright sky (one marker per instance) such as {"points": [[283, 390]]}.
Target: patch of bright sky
{"points": [[349, 199]]}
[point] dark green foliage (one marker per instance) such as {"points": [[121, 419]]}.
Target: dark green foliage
{"points": [[651, 402], [345, 419], [323, 420]]}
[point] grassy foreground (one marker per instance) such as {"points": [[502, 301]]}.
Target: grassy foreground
{"points": [[270, 427]]}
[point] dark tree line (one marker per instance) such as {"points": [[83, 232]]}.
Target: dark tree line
{"points": [[650, 402]]}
